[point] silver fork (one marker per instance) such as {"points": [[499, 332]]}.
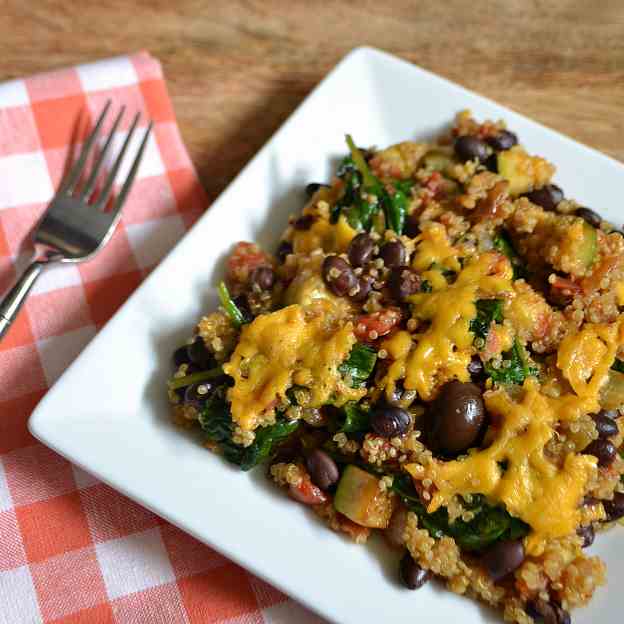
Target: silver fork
{"points": [[72, 229]]}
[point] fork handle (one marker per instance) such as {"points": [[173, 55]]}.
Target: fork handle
{"points": [[14, 300]]}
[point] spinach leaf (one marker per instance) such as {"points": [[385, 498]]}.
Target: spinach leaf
{"points": [[618, 365], [356, 419], [266, 442], [425, 286], [503, 244], [346, 166], [488, 310], [489, 524], [394, 206], [231, 309], [515, 368], [216, 421], [359, 365], [395, 210]]}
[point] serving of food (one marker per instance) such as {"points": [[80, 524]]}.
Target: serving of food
{"points": [[433, 352]]}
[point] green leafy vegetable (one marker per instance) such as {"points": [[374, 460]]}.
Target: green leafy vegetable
{"points": [[231, 309], [488, 310], [394, 206], [187, 380], [503, 244], [356, 419], [359, 365], [216, 421], [618, 365], [515, 367], [396, 211], [266, 441], [425, 286], [489, 524]]}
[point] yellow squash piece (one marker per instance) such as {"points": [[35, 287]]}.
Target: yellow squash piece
{"points": [[359, 498], [522, 171]]}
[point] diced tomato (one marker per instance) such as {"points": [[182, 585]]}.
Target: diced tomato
{"points": [[492, 345], [565, 286], [433, 182], [244, 259], [307, 493], [372, 326]]}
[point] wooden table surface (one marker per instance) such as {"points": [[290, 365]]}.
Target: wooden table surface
{"points": [[236, 70]]}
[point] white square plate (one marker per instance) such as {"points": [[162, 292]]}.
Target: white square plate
{"points": [[108, 413]]}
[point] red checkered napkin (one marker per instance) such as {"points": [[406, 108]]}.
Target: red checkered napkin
{"points": [[72, 549]]}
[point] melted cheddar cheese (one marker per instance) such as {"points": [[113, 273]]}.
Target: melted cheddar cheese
{"points": [[291, 346], [585, 359], [443, 351], [434, 248], [546, 496], [330, 237]]}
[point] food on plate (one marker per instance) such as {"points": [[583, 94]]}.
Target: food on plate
{"points": [[435, 351]]}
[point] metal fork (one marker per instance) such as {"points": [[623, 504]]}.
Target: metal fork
{"points": [[76, 226]]}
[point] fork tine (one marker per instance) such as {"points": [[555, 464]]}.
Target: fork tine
{"points": [[110, 180], [90, 184], [76, 171], [127, 185]]}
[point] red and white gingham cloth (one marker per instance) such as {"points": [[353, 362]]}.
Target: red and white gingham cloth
{"points": [[72, 549]]}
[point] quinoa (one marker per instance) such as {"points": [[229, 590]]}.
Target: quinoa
{"points": [[434, 352]]}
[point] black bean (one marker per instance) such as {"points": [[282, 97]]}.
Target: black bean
{"points": [[613, 414], [360, 249], [547, 197], [322, 468], [503, 558], [471, 148], [364, 286], [588, 534], [242, 303], [263, 277], [412, 226], [392, 253], [605, 425], [547, 612], [593, 218], [563, 617], [491, 163], [338, 275], [614, 508], [311, 188], [198, 393], [199, 354], [504, 140], [403, 282], [589, 501], [181, 356], [475, 368], [283, 249], [304, 222], [604, 450], [456, 417], [389, 421], [411, 574]]}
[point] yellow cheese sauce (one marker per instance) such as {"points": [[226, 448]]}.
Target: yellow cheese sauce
{"points": [[287, 347], [443, 351]]}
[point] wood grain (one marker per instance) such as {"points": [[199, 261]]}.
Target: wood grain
{"points": [[235, 70]]}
